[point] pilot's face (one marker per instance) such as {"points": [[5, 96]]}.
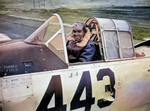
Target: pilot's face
{"points": [[77, 34]]}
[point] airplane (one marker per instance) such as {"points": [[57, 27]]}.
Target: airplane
{"points": [[35, 74]]}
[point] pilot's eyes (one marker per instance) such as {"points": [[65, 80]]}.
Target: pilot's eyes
{"points": [[74, 31]]}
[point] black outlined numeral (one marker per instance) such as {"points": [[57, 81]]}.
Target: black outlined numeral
{"points": [[106, 72], [85, 82], [54, 87]]}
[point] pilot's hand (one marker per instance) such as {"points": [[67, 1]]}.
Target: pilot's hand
{"points": [[139, 54], [87, 29], [71, 57]]}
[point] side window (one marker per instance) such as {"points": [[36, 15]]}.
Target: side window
{"points": [[111, 44], [126, 44]]}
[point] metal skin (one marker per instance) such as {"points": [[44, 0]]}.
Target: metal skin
{"points": [[110, 84]]}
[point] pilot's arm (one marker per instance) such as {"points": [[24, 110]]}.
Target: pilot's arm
{"points": [[87, 52]]}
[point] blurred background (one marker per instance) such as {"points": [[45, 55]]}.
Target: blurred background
{"points": [[19, 18]]}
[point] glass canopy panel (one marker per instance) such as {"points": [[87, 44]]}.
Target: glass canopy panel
{"points": [[45, 32], [107, 23], [53, 27], [126, 44], [40, 37], [54, 33], [122, 25], [56, 45], [111, 44]]}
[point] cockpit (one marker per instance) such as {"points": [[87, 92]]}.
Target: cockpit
{"points": [[112, 38], [45, 49]]}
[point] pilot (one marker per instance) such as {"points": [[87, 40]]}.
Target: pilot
{"points": [[80, 48]]}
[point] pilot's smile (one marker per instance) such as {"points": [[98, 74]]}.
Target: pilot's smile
{"points": [[77, 34]]}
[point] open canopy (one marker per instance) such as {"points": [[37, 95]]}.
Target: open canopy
{"points": [[114, 37]]}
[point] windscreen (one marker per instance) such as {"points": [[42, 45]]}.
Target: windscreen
{"points": [[50, 34]]}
